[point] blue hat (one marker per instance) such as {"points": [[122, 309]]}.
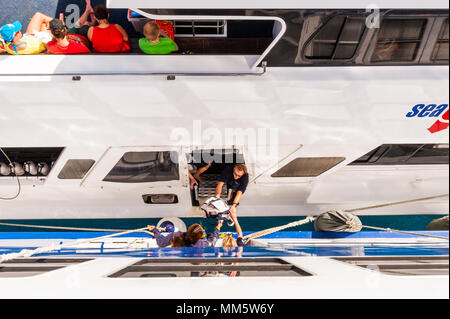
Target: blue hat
{"points": [[8, 31]]}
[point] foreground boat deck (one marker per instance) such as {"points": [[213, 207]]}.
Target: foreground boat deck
{"points": [[286, 265]]}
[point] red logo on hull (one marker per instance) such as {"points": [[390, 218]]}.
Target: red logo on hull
{"points": [[440, 124]]}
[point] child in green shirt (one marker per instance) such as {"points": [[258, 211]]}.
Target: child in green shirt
{"points": [[153, 43]]}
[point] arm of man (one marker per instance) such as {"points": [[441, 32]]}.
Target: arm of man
{"points": [[193, 180], [219, 189], [201, 170], [236, 224], [236, 200]]}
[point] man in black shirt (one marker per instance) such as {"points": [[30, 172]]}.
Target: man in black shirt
{"points": [[236, 178]]}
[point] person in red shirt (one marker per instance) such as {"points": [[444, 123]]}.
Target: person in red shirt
{"points": [[63, 43], [107, 37]]}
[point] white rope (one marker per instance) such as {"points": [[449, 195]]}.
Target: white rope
{"points": [[277, 229], [405, 232], [53, 247], [396, 203], [19, 187], [63, 228]]}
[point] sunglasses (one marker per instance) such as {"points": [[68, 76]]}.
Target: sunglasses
{"points": [[237, 175]]}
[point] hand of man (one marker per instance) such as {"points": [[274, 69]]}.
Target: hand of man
{"points": [[233, 214], [193, 182]]}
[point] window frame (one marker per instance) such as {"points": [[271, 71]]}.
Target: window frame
{"points": [[109, 177], [69, 162], [337, 159], [351, 60], [421, 47], [381, 150], [433, 41]]}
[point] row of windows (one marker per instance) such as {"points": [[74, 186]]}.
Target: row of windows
{"points": [[398, 40], [144, 167], [387, 154], [351, 38]]}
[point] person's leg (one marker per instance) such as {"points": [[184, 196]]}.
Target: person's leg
{"points": [[39, 22], [85, 16]]}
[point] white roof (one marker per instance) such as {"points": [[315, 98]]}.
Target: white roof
{"points": [[278, 4]]}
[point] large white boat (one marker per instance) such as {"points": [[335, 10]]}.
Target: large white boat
{"points": [[329, 106]]}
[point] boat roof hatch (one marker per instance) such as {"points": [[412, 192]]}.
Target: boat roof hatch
{"points": [[279, 4]]}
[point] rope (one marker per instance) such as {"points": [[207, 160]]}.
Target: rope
{"points": [[277, 229], [405, 232], [17, 177], [63, 228], [396, 203], [29, 253]]}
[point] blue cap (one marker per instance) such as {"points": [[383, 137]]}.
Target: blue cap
{"points": [[8, 31]]}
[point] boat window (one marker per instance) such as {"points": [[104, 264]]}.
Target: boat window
{"points": [[76, 168], [441, 52], [144, 167], [405, 154], [214, 267], [308, 166], [429, 153], [27, 267], [160, 198], [401, 265], [337, 39], [28, 161], [398, 40]]}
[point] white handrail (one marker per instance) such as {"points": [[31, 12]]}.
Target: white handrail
{"points": [[219, 17], [278, 4]]}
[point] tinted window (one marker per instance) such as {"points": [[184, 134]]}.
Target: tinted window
{"points": [[76, 169], [405, 154], [308, 166], [214, 267], [441, 52], [143, 167], [398, 40], [338, 39], [430, 154]]}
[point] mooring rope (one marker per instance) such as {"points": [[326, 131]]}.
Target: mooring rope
{"points": [[277, 229], [405, 232], [396, 203], [63, 228], [40, 250]]}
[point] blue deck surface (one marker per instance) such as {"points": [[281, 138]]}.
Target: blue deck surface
{"points": [[289, 250], [281, 234]]}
